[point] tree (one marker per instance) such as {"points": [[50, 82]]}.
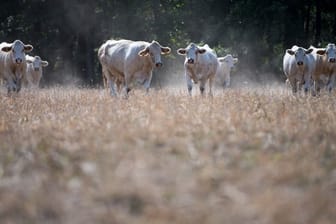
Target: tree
{"points": [[68, 32]]}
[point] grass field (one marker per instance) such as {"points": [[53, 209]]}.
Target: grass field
{"points": [[247, 155]]}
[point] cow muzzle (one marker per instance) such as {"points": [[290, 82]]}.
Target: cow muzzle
{"points": [[158, 65], [190, 61], [300, 63], [332, 60], [18, 60]]}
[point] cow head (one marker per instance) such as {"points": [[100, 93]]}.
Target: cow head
{"points": [[300, 54], [36, 62], [329, 52], [18, 50], [191, 53], [154, 50], [228, 60]]}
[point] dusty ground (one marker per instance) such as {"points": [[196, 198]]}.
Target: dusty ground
{"points": [[260, 156]]}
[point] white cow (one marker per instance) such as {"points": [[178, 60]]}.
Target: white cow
{"points": [[34, 71], [325, 66], [200, 66], [124, 61], [13, 63], [224, 69], [298, 65], [102, 60]]}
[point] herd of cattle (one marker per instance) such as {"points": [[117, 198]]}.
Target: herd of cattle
{"points": [[311, 68], [124, 62], [17, 68]]}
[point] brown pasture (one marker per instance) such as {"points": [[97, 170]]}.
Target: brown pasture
{"points": [[246, 155]]}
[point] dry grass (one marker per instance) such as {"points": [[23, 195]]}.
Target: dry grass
{"points": [[244, 156]]}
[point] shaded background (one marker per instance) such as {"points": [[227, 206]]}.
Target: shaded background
{"points": [[68, 33]]}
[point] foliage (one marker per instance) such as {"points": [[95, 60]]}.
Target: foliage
{"points": [[69, 32]]}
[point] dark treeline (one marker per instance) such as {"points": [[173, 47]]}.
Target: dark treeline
{"points": [[68, 33]]}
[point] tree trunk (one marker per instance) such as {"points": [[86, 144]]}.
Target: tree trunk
{"points": [[307, 21], [317, 40], [156, 22], [334, 25], [89, 60]]}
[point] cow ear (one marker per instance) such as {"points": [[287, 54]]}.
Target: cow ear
{"points": [[165, 50], [28, 48], [309, 51], [44, 63], [235, 60], [182, 51], [144, 52], [29, 61], [6, 49], [201, 51], [321, 52], [221, 59], [289, 51]]}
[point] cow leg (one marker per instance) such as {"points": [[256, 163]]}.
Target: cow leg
{"points": [[331, 82], [210, 86], [307, 80], [110, 81], [288, 85], [313, 87], [227, 82], [112, 87], [317, 86], [202, 86], [119, 83], [127, 89], [189, 83], [11, 86], [293, 83], [148, 82], [104, 73], [18, 85], [105, 82], [300, 83]]}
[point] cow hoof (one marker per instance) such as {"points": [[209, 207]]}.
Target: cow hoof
{"points": [[189, 90], [125, 97]]}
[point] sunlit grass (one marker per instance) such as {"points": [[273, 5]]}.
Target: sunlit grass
{"points": [[246, 155]]}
